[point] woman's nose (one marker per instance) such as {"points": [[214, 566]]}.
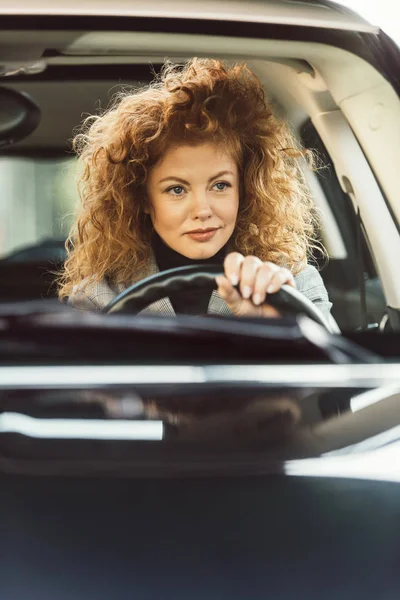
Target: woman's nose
{"points": [[202, 208]]}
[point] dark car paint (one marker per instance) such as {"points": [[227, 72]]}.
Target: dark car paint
{"points": [[225, 538]]}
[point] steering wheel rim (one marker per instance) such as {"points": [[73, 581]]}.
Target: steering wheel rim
{"points": [[153, 288]]}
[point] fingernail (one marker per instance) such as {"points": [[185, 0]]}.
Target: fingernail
{"points": [[246, 292], [271, 289], [257, 299], [234, 279]]}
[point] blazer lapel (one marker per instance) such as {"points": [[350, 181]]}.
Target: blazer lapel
{"points": [[160, 307]]}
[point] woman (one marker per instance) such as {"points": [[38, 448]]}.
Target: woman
{"points": [[193, 169]]}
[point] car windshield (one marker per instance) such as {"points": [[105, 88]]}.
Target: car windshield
{"points": [[313, 190]]}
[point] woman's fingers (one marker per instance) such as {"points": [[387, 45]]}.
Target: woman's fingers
{"points": [[239, 306], [264, 277], [228, 292], [242, 271], [255, 280], [280, 277], [233, 266], [248, 276]]}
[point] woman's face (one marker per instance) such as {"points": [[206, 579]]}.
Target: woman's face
{"points": [[194, 197]]}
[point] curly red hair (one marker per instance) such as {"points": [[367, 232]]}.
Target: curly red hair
{"points": [[203, 100]]}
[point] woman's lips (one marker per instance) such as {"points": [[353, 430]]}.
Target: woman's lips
{"points": [[202, 236]]}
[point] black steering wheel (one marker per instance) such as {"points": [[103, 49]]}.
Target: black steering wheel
{"points": [[153, 288]]}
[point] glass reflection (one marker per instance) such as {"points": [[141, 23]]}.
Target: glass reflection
{"points": [[292, 423]]}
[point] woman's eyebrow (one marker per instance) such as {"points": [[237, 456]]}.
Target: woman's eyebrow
{"points": [[173, 178], [220, 174]]}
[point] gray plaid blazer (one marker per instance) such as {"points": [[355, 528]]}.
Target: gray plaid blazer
{"points": [[91, 296]]}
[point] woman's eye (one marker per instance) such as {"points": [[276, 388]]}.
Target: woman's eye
{"points": [[221, 186], [177, 190]]}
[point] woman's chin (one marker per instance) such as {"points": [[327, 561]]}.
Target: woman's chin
{"points": [[203, 252]]}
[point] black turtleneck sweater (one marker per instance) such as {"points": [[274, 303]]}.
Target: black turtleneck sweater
{"points": [[189, 302]]}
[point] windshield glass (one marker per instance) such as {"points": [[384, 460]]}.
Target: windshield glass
{"points": [[202, 162]]}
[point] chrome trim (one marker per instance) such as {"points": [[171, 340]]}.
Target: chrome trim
{"points": [[373, 396], [384, 321], [370, 444], [379, 465], [96, 376], [309, 375], [83, 429]]}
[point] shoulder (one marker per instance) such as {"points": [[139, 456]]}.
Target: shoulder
{"points": [[309, 279], [93, 294], [90, 294], [310, 283]]}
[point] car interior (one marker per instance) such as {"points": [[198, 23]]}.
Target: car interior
{"points": [[324, 93]]}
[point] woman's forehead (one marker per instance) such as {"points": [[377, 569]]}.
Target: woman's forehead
{"points": [[196, 156]]}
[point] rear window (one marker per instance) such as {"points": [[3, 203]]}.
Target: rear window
{"points": [[38, 199]]}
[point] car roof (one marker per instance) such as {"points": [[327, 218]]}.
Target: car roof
{"points": [[310, 13]]}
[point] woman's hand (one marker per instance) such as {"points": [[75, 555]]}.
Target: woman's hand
{"points": [[255, 279]]}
